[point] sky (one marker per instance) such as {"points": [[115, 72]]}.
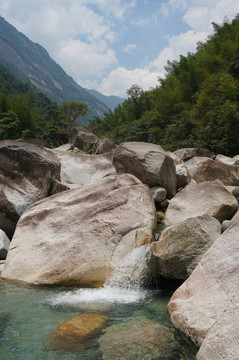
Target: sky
{"points": [[109, 45]]}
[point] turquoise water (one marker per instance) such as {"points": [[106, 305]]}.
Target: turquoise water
{"points": [[29, 315]]}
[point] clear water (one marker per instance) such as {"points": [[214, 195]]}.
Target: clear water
{"points": [[29, 315]]}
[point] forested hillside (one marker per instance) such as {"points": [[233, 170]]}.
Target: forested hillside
{"points": [[28, 114], [196, 104], [31, 63]]}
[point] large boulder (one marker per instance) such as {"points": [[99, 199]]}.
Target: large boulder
{"points": [[215, 170], [194, 200], [188, 153], [104, 146], [227, 160], [181, 246], [83, 139], [84, 169], [193, 163], [138, 339], [148, 162], [79, 236], [27, 172], [205, 307], [4, 245]]}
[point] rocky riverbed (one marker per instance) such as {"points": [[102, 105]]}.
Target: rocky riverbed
{"points": [[72, 218]]}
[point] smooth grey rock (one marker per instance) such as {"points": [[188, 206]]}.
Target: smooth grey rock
{"points": [[148, 162], [183, 176], [205, 198], [79, 236], [181, 246], [205, 306], [193, 163], [138, 339], [188, 153], [4, 245], [27, 172], [227, 160], [159, 193], [82, 169], [83, 139], [211, 170]]}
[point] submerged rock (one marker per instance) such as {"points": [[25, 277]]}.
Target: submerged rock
{"points": [[79, 236], [138, 339], [207, 197], [181, 246], [73, 334], [148, 162], [205, 307]]}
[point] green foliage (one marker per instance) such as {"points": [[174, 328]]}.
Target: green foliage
{"points": [[195, 104], [9, 125]]}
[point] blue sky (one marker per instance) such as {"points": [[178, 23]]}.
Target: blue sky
{"points": [[109, 45]]}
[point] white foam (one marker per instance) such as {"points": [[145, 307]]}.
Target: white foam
{"points": [[124, 285], [105, 294]]}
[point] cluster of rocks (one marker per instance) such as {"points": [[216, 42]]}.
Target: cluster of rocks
{"points": [[82, 208]]}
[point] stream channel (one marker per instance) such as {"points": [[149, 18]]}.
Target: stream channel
{"points": [[30, 314]]}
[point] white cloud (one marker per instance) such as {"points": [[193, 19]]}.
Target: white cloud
{"points": [[200, 17], [81, 59], [129, 48], [121, 79], [81, 34]]}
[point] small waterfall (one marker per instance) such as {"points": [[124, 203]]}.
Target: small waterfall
{"points": [[133, 271], [124, 285]]}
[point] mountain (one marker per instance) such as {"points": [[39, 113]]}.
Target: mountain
{"points": [[111, 101], [31, 63]]}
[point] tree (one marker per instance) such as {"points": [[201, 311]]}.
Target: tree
{"points": [[69, 112], [135, 97], [9, 126]]}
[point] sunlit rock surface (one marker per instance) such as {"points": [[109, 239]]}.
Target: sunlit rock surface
{"points": [[82, 169], [206, 307], [148, 162], [187, 153], [27, 172], [181, 246], [207, 197], [79, 236]]}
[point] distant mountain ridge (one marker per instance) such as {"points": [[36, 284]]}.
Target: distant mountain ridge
{"points": [[111, 101], [30, 62]]}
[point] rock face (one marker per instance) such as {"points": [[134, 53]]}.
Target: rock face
{"points": [[138, 339], [4, 245], [188, 153], [73, 334], [181, 246], [215, 170], [83, 139], [205, 198], [206, 307], [183, 176], [27, 172], [148, 162], [79, 236], [84, 169], [105, 145], [227, 160]]}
